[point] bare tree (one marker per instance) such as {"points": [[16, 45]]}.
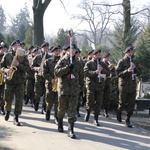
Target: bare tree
{"points": [[97, 20], [126, 19]]}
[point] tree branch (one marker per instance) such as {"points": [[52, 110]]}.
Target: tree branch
{"points": [[108, 4], [140, 11]]}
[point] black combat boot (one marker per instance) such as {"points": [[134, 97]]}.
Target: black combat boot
{"points": [[96, 123], [36, 106], [44, 108], [127, 122], [119, 118], [47, 115], [105, 113], [26, 101], [71, 131], [16, 121], [78, 113], [7, 115], [2, 110], [60, 125], [87, 115]]}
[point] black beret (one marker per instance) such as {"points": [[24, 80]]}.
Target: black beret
{"points": [[45, 44], [106, 54], [130, 48], [22, 44], [90, 52], [96, 51], [15, 42], [77, 50], [73, 47], [55, 48], [35, 49], [31, 47]]}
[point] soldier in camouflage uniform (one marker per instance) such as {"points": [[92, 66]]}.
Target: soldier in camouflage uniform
{"points": [[39, 86], [51, 81], [107, 87], [81, 96], [2, 102], [30, 76], [70, 80], [94, 81], [14, 88], [126, 70]]}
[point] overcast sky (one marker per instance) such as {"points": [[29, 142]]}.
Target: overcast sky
{"points": [[55, 16]]}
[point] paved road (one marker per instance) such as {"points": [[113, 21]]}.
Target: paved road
{"points": [[39, 134]]}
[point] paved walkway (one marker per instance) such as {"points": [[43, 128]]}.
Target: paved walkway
{"points": [[39, 134]]}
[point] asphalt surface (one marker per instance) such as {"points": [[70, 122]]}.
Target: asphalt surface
{"points": [[39, 134]]}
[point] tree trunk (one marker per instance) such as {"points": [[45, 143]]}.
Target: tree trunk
{"points": [[38, 14], [127, 22]]}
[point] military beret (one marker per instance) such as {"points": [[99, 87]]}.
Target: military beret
{"points": [[73, 47], [130, 48], [96, 51], [35, 49], [22, 44], [77, 50], [31, 47], [90, 52], [45, 44], [55, 48], [15, 42], [106, 54]]}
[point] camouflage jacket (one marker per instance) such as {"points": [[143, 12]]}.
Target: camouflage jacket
{"points": [[48, 70], [125, 82], [91, 77], [112, 74], [68, 85], [30, 72], [22, 68], [36, 63]]}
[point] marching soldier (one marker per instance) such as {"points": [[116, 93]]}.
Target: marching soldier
{"points": [[39, 86], [14, 64], [80, 98], [94, 70], [32, 52], [90, 55], [107, 87], [51, 83], [126, 70], [69, 72], [2, 102]]}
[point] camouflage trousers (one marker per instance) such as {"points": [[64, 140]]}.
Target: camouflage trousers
{"points": [[94, 100], [106, 97], [14, 92], [39, 89], [126, 101], [51, 99], [67, 103], [29, 88], [2, 102]]}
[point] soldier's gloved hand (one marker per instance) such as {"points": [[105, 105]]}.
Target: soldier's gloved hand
{"points": [[71, 66]]}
